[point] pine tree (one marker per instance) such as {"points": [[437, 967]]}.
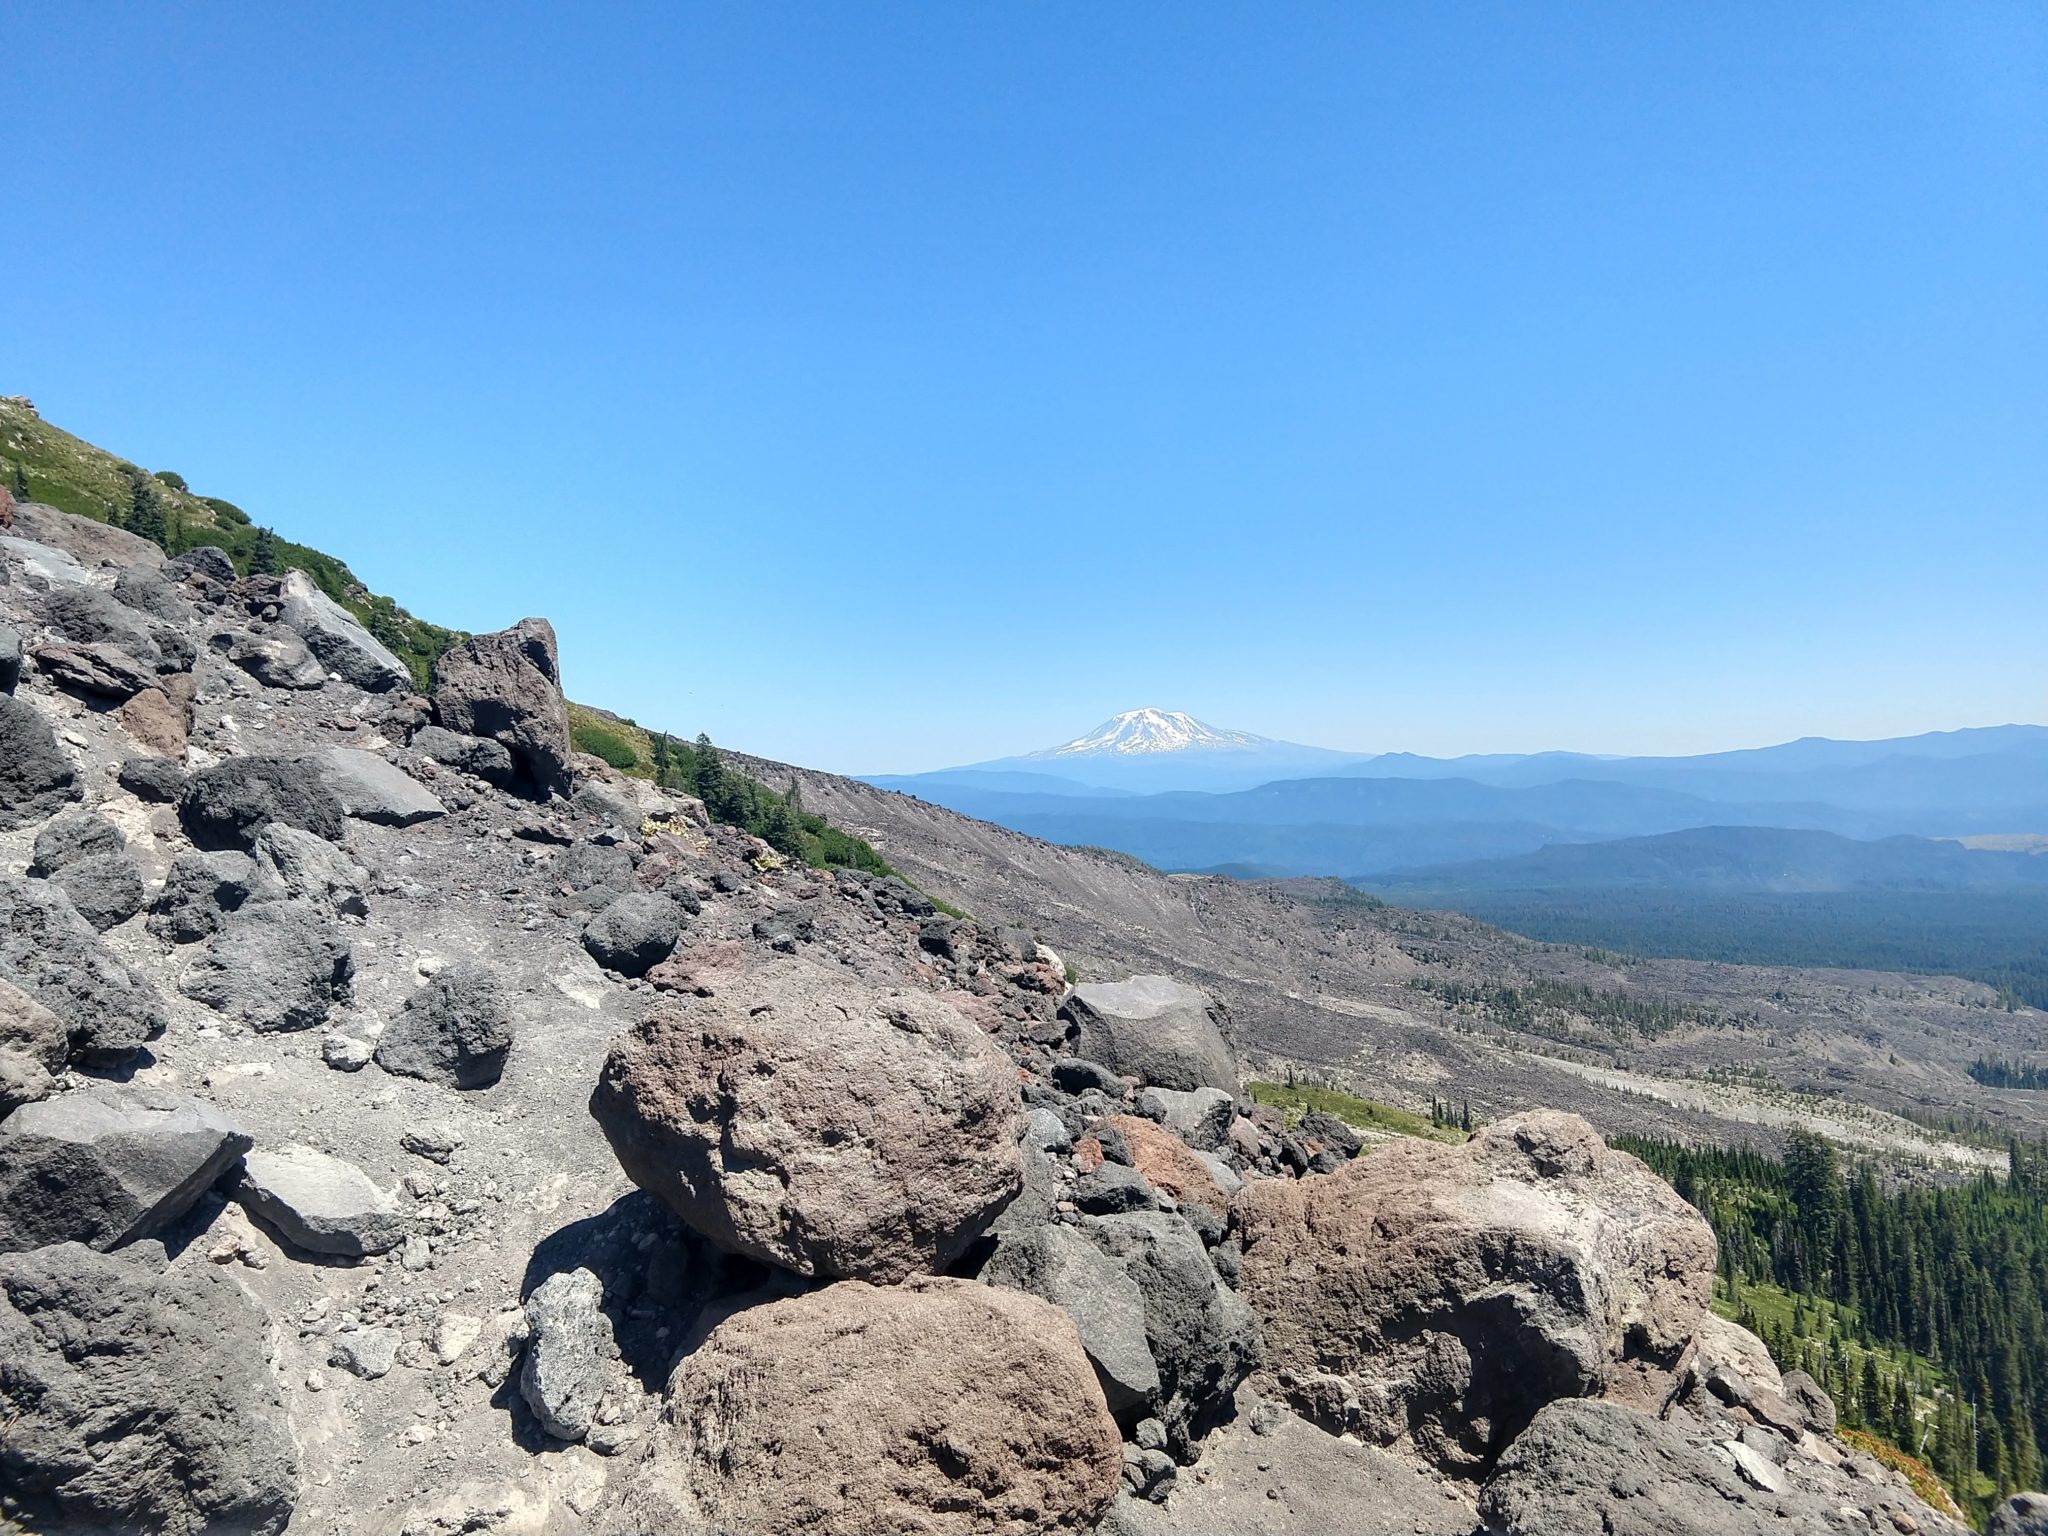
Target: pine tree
{"points": [[20, 483], [264, 559], [1905, 1428], [1870, 1396], [146, 511]]}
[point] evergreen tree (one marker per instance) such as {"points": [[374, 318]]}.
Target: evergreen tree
{"points": [[146, 511], [20, 482], [264, 558]]}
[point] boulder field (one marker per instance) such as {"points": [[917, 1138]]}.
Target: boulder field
{"points": [[412, 1126]]}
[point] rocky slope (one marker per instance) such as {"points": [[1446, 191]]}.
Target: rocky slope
{"points": [[413, 1126]]}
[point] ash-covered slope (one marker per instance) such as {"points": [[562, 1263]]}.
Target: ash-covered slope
{"points": [[410, 1126]]}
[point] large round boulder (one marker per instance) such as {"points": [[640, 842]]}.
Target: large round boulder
{"points": [[939, 1407], [1153, 1028], [814, 1124], [169, 1423], [1446, 1293]]}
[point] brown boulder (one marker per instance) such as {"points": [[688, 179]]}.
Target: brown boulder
{"points": [[940, 1408], [802, 1120], [1168, 1163], [1446, 1293]]}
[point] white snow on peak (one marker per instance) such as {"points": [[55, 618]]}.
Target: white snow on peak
{"points": [[1142, 732]]}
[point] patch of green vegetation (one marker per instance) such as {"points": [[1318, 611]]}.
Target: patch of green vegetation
{"points": [[38, 462], [602, 741], [1294, 1100], [1553, 1008]]}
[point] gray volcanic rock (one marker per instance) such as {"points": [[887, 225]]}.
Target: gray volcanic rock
{"points": [[89, 617], [274, 965], [1586, 1468], [36, 775], [106, 889], [1200, 1117], [319, 1203], [1447, 1293], [489, 760], [277, 658], [940, 1407], [207, 563], [564, 1372], [809, 1122], [1203, 1338], [1059, 1265], [371, 789], [1154, 1029], [508, 686], [28, 1027], [10, 657], [310, 869], [106, 1167], [2024, 1514], [332, 634], [1272, 1474], [154, 779], [52, 953], [143, 588], [227, 805], [454, 1030], [73, 836], [202, 888], [171, 1425], [102, 670], [635, 933]]}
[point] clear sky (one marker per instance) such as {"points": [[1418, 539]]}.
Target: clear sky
{"points": [[885, 386]]}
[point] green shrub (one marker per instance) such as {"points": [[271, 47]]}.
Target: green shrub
{"points": [[609, 745]]}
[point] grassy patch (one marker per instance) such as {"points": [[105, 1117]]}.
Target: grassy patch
{"points": [[1362, 1114]]}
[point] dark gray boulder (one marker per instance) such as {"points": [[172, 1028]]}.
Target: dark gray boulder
{"points": [[73, 836], [227, 805], [154, 779], [274, 965], [635, 933], [37, 778], [201, 889], [508, 686], [489, 760], [319, 1204], [10, 657], [87, 616], [144, 589], [454, 1030], [1204, 1339], [101, 670], [1153, 1028], [208, 563], [106, 888], [1061, 1266], [564, 1373], [311, 869], [108, 1166], [53, 954], [333, 635], [170, 1425]]}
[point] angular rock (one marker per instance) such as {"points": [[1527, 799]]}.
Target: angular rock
{"points": [[1059, 1265], [1447, 1293], [311, 869], [28, 1027], [106, 889], [947, 1408], [101, 670], [275, 965], [107, 1167], [1167, 1163], [635, 933], [565, 1369], [36, 775], [87, 617], [1203, 1338], [1200, 1117], [208, 562], [1810, 1399], [170, 1424], [152, 778], [158, 722], [370, 789], [277, 658], [333, 635], [366, 1352], [345, 1053], [199, 891], [53, 954], [144, 589], [73, 836], [10, 657], [508, 686], [805, 1121], [227, 805], [489, 760], [1152, 1028], [319, 1203], [23, 1080], [454, 1030]]}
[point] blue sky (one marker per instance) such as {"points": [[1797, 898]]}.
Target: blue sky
{"points": [[886, 386]]}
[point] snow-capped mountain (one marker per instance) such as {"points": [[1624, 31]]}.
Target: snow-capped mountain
{"points": [[1145, 732]]}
